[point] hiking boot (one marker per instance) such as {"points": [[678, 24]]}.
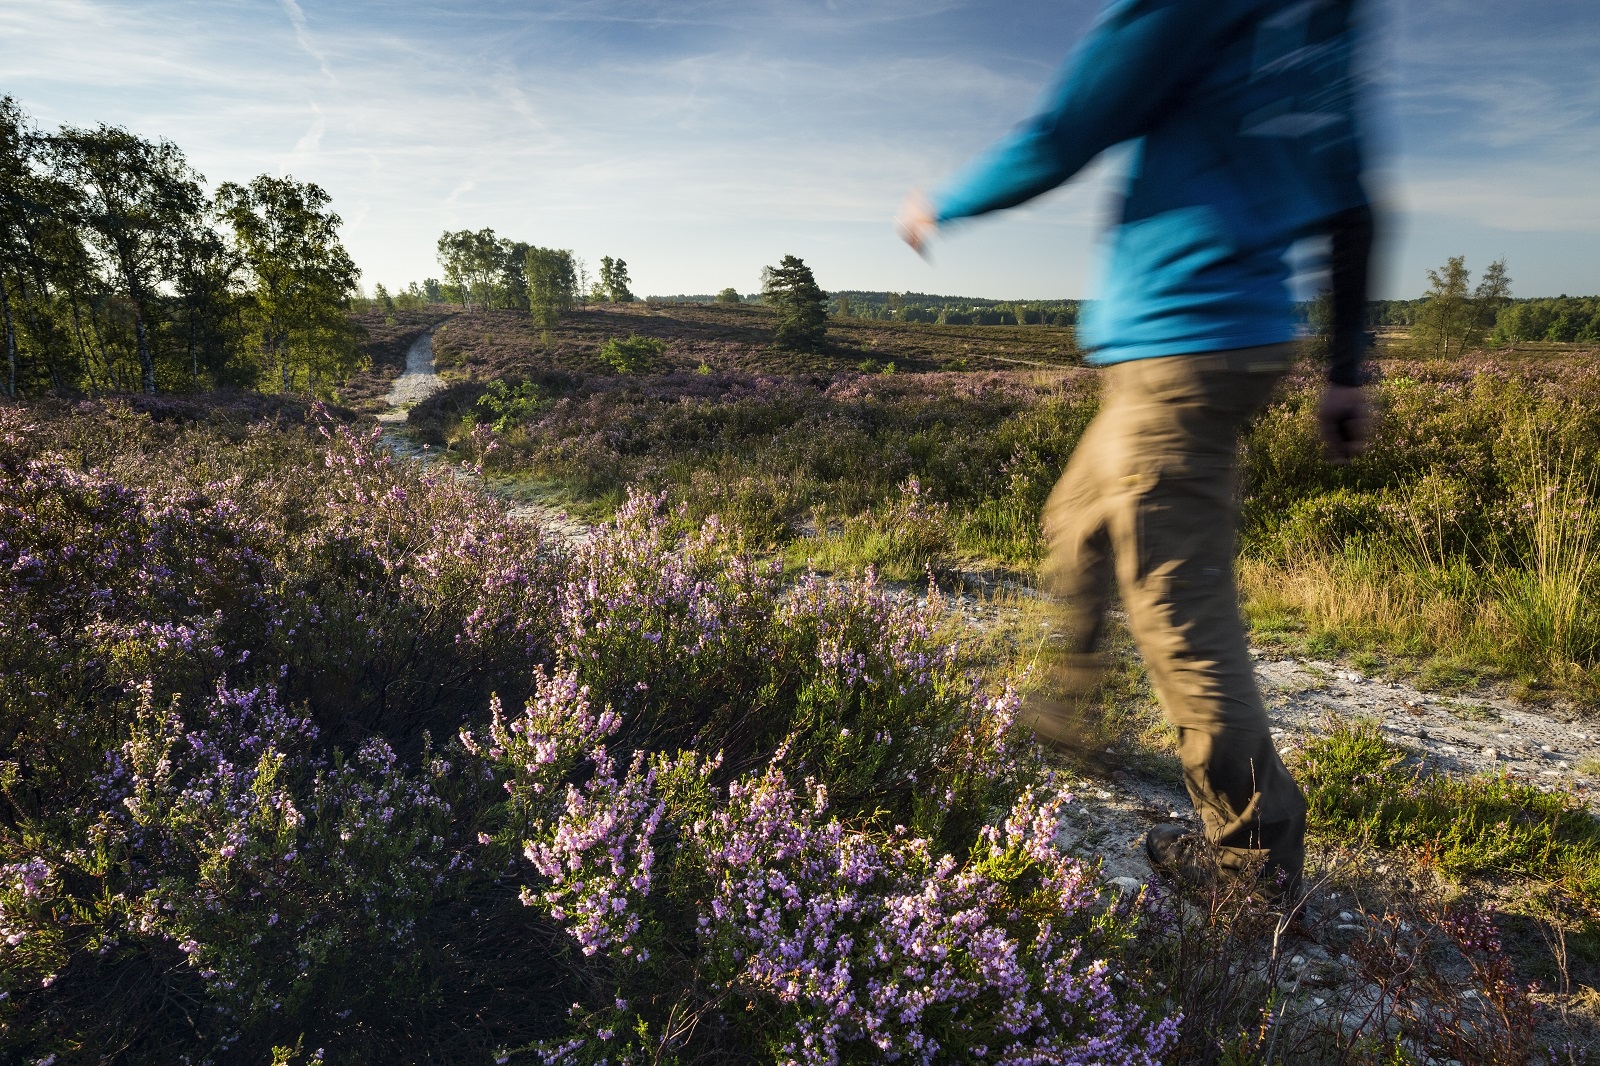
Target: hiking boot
{"points": [[1183, 856], [1191, 861]]}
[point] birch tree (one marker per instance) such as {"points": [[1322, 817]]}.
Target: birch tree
{"points": [[301, 278], [135, 199]]}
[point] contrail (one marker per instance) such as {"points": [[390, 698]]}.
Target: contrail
{"points": [[297, 19]]}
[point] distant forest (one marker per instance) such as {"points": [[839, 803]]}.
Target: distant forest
{"points": [[1569, 319], [921, 307]]}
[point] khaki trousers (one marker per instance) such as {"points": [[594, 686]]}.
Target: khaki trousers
{"points": [[1150, 499]]}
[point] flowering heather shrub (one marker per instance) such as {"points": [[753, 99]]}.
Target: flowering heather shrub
{"points": [[256, 790], [817, 943]]}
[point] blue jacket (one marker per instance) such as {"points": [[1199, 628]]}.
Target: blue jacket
{"points": [[1242, 114]]}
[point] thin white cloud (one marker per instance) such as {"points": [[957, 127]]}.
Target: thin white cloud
{"points": [[305, 149], [302, 35]]}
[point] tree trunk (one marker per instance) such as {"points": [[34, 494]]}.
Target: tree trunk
{"points": [[83, 346], [147, 362], [11, 341]]}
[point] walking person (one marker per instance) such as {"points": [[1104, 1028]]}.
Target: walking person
{"points": [[1241, 115]]}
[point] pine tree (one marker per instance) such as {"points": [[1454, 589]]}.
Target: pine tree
{"points": [[792, 291]]}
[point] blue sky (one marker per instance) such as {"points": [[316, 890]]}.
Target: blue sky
{"points": [[702, 139]]}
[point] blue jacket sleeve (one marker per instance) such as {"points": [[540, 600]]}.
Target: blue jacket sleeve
{"points": [[1117, 82]]}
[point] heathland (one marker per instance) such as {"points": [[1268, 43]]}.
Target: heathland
{"points": [[321, 743], [313, 754]]}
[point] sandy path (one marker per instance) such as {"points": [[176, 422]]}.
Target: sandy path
{"points": [[421, 380]]}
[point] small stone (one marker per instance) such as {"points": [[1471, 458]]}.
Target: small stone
{"points": [[1298, 960], [1346, 916], [1546, 748], [1491, 754], [1127, 886]]}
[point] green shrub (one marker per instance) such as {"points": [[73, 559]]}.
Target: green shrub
{"points": [[510, 405], [633, 354], [1360, 786]]}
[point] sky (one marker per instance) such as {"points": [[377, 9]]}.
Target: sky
{"points": [[700, 140]]}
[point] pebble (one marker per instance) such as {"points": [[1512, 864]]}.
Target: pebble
{"points": [[1490, 754], [1346, 916], [1126, 885]]}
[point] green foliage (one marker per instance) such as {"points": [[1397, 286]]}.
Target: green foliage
{"points": [[1467, 534], [633, 354], [474, 263], [802, 317], [614, 281], [1453, 318], [1447, 323], [1362, 787], [552, 278], [730, 295], [117, 274], [900, 539], [289, 244], [1563, 319], [510, 405]]}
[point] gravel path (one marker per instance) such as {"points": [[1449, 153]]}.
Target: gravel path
{"points": [[1541, 746], [422, 380], [417, 383]]}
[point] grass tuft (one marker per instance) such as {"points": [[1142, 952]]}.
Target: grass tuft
{"points": [[1361, 786]]}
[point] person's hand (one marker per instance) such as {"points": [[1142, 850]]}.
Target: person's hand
{"points": [[1345, 417], [917, 222]]}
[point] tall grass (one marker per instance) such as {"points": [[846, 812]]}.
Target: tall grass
{"points": [[1466, 542], [1549, 603]]}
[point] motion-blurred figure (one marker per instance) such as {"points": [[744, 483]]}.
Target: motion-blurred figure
{"points": [[1242, 114]]}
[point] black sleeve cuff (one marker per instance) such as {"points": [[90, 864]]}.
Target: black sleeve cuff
{"points": [[1350, 262]]}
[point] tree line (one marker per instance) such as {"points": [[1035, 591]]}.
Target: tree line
{"points": [[118, 272], [1454, 315], [487, 271]]}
